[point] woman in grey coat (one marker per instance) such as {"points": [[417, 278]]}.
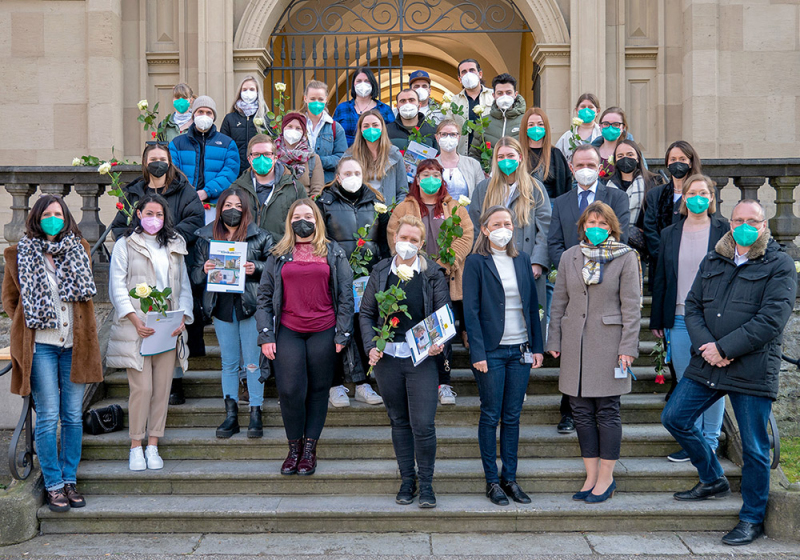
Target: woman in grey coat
{"points": [[594, 319], [510, 185]]}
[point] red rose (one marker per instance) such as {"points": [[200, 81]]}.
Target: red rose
{"points": [[488, 145], [154, 133], [395, 321], [151, 308], [416, 128], [659, 379], [402, 152], [361, 243], [114, 163], [120, 206], [601, 174], [207, 206]]}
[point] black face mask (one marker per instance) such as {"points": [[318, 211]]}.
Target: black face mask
{"points": [[231, 217], [678, 169], [157, 168], [627, 164], [303, 228]]}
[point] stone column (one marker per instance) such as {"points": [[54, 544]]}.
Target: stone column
{"points": [[20, 206], [250, 62], [748, 186], [785, 226], [215, 52], [554, 63], [588, 48]]}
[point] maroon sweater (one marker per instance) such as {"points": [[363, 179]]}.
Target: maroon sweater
{"points": [[307, 301]]}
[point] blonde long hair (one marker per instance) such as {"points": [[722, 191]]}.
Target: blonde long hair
{"points": [[262, 106], [372, 168], [497, 191], [289, 239]]}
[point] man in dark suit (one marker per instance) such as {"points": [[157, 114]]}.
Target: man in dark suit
{"points": [[567, 209]]}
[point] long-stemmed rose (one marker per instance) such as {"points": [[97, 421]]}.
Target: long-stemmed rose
{"points": [[362, 256], [151, 299], [449, 231], [123, 205], [389, 306], [276, 115], [149, 120]]}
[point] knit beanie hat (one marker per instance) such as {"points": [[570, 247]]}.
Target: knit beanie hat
{"points": [[289, 117], [204, 101]]}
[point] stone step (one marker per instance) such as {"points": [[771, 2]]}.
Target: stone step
{"points": [[538, 409], [544, 381], [460, 358], [354, 477], [378, 513], [453, 442]]}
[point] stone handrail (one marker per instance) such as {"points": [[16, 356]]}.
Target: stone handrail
{"points": [[748, 175]]}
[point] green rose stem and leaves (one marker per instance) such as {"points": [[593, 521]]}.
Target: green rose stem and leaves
{"points": [[389, 304], [361, 256], [150, 298], [660, 357], [449, 231], [276, 115]]}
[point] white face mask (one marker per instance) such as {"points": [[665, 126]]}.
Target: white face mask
{"points": [[448, 144], [363, 89], [203, 122], [501, 236], [470, 80], [504, 102], [586, 176], [292, 135], [248, 95], [405, 250], [422, 93], [351, 184], [408, 111]]}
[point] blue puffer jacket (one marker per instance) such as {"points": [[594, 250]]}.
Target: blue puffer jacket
{"points": [[219, 152]]}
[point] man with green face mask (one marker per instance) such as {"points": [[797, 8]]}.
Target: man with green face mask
{"points": [[739, 304]]}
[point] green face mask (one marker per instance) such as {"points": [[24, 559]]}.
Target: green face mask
{"points": [[536, 133], [610, 133], [745, 235], [181, 105], [316, 107], [508, 166], [52, 225], [697, 204], [262, 165], [371, 134], [596, 235], [587, 115], [430, 185]]}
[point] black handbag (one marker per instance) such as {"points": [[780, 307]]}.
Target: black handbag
{"points": [[103, 420]]}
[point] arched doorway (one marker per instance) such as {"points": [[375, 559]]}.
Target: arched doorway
{"points": [[328, 40]]}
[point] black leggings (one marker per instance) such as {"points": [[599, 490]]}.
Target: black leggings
{"points": [[599, 426], [304, 364]]}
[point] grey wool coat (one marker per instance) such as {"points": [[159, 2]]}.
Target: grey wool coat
{"points": [[593, 325]]}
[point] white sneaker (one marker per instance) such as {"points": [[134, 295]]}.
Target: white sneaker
{"points": [[337, 396], [447, 395], [136, 460], [365, 394], [154, 461]]}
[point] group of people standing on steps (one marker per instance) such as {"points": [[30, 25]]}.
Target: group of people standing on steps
{"points": [[548, 260]]}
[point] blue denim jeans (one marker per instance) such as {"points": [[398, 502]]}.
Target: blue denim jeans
{"points": [[240, 338], [689, 400], [56, 397], [502, 390], [710, 422]]}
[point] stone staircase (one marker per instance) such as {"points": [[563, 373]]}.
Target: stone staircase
{"points": [[234, 485]]}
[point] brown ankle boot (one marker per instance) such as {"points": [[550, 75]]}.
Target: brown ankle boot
{"points": [[290, 464], [308, 464], [57, 500]]}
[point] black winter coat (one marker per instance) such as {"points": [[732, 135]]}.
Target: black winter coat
{"points": [[743, 309], [343, 218], [241, 129], [435, 290], [185, 207], [665, 276], [259, 242], [270, 295]]}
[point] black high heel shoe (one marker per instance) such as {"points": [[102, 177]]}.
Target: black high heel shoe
{"points": [[596, 499]]}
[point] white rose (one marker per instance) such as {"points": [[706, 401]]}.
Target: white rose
{"points": [[381, 208], [104, 169], [405, 272], [463, 200], [76, 162], [280, 86], [143, 290], [258, 121], [447, 97], [478, 110], [797, 266], [576, 121], [142, 105], [541, 313]]}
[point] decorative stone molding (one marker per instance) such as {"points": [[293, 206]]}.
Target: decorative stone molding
{"points": [[251, 59], [542, 51], [159, 58], [641, 52]]}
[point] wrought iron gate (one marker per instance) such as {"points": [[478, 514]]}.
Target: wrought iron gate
{"points": [[328, 40]]}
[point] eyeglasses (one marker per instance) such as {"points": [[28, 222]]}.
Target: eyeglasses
{"points": [[157, 143], [257, 154], [449, 134], [616, 125], [738, 221]]}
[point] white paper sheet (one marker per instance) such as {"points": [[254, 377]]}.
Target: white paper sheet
{"points": [[162, 340]]}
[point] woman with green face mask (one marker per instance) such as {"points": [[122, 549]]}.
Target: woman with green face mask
{"points": [[47, 291], [180, 120], [594, 329], [683, 246], [613, 127], [428, 200], [584, 125]]}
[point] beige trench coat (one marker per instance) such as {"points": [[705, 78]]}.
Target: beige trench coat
{"points": [[592, 325]]}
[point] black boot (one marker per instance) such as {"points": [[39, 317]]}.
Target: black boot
{"points": [[176, 395], [231, 424], [256, 428]]}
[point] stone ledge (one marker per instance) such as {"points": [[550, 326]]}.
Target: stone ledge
{"points": [[18, 506], [783, 514]]}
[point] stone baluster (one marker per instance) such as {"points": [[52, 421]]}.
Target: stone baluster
{"points": [[90, 225], [56, 189], [749, 186], [721, 183], [20, 205], [785, 226]]}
